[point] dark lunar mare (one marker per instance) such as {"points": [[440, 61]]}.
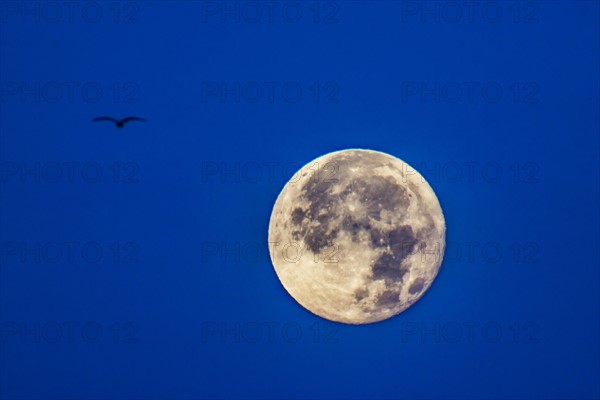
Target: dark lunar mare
{"points": [[376, 194]]}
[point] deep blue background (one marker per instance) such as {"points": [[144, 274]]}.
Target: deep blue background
{"points": [[166, 299]]}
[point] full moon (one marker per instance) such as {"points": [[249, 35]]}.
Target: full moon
{"points": [[357, 236]]}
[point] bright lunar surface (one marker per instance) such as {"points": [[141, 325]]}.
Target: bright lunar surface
{"points": [[357, 236]]}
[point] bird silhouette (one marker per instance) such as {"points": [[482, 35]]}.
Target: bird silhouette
{"points": [[118, 122]]}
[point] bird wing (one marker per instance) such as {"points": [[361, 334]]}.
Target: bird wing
{"points": [[111, 119], [127, 119]]}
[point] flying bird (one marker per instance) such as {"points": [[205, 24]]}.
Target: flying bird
{"points": [[118, 122]]}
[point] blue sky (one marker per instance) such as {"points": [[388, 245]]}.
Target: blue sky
{"points": [[110, 285]]}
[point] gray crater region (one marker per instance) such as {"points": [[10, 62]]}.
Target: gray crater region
{"points": [[357, 236]]}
